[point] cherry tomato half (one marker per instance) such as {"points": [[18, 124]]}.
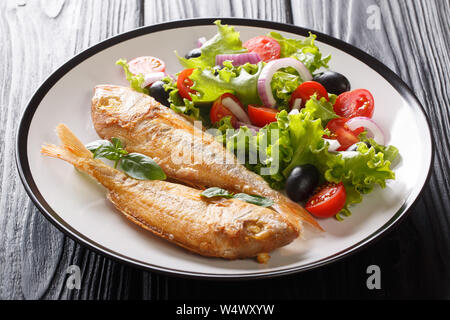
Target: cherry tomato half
{"points": [[306, 90], [184, 84], [146, 65], [267, 48], [260, 116], [327, 201], [342, 133], [356, 103], [219, 111]]}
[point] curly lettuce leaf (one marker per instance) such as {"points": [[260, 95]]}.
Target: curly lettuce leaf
{"points": [[242, 81], [359, 172], [304, 50], [300, 142], [363, 169], [177, 103], [390, 152], [135, 81], [283, 84], [222, 126], [226, 41], [321, 109], [187, 108], [243, 143]]}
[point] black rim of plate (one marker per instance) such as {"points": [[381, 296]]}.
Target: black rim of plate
{"points": [[53, 217]]}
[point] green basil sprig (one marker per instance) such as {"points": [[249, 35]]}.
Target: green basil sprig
{"points": [[253, 199], [136, 165], [216, 192]]}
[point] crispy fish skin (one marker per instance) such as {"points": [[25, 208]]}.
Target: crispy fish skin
{"points": [[226, 228], [185, 154]]}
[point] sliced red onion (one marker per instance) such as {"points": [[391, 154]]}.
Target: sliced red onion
{"points": [[149, 78], [201, 41], [297, 104], [238, 59], [174, 78], [253, 128], [265, 78], [373, 130], [333, 145], [236, 109]]}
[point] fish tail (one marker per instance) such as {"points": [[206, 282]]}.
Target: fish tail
{"points": [[301, 212], [72, 148], [72, 143]]}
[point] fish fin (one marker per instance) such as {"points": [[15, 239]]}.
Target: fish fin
{"points": [[72, 143], [54, 151], [303, 214], [71, 150]]}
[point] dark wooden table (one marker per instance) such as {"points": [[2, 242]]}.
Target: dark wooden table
{"points": [[412, 39]]}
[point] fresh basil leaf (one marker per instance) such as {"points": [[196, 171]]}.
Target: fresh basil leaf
{"points": [[117, 143], [109, 153], [254, 199], [141, 167], [97, 144], [216, 192], [104, 149]]}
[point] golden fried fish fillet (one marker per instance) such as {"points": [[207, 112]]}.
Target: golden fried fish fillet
{"points": [[227, 228], [152, 129]]}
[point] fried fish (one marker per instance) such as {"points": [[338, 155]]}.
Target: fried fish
{"points": [[152, 129], [227, 228]]}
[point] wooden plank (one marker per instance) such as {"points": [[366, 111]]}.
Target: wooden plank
{"points": [[412, 39], [157, 11], [36, 37]]}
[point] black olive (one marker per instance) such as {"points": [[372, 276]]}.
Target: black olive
{"points": [[301, 182], [194, 53], [354, 147], [158, 92], [334, 82]]}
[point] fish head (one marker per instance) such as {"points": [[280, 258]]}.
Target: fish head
{"points": [[117, 108], [251, 229]]}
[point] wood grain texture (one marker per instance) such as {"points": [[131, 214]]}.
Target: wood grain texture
{"points": [[37, 36]]}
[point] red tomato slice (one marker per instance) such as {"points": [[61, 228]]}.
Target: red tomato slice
{"points": [[342, 133], [260, 116], [267, 48], [184, 84], [356, 103], [146, 65], [328, 201], [219, 111], [306, 90]]}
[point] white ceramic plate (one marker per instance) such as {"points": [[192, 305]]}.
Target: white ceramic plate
{"points": [[79, 208]]}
